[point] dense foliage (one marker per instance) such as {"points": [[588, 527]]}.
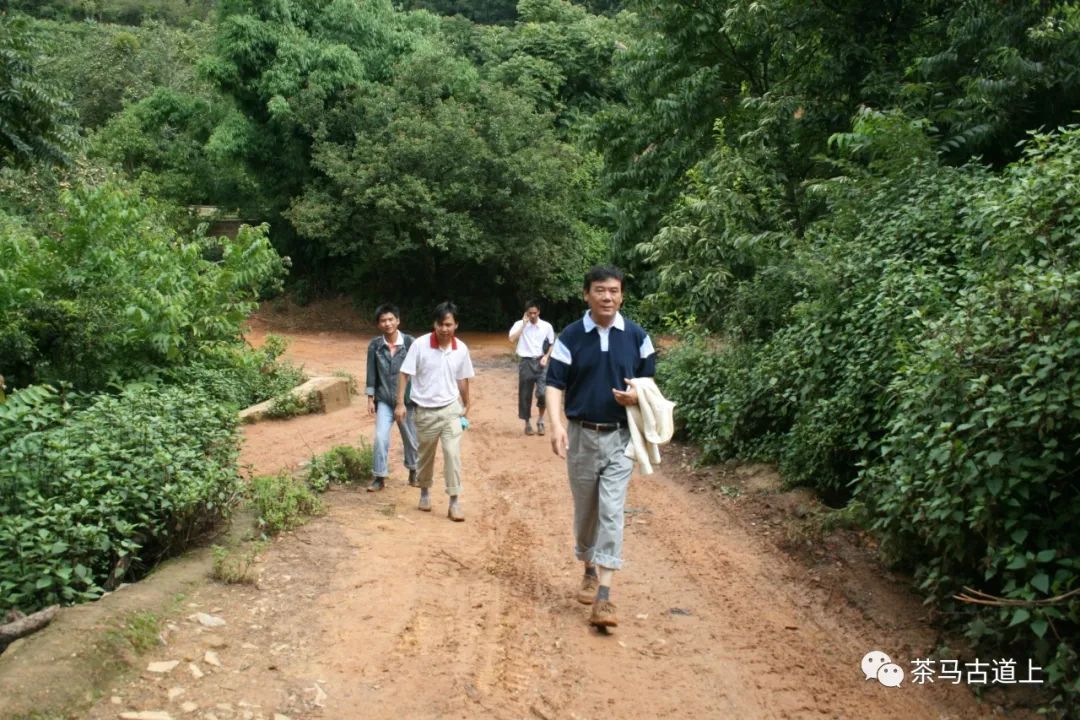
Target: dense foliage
{"points": [[94, 490], [925, 359], [102, 291], [843, 193], [126, 12], [37, 124]]}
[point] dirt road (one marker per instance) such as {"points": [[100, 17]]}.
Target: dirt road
{"points": [[376, 610]]}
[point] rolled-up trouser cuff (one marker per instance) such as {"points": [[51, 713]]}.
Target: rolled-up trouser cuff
{"points": [[606, 561]]}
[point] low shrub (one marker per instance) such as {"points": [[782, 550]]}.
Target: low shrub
{"points": [[288, 404], [95, 489], [928, 366], [282, 502], [235, 564], [98, 290], [343, 464], [241, 376]]}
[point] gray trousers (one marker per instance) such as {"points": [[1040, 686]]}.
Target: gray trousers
{"points": [[599, 477], [532, 379]]}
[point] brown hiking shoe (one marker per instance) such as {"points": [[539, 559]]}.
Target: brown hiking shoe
{"points": [[587, 594], [603, 614]]}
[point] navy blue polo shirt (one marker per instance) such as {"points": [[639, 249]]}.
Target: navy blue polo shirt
{"points": [[587, 364]]}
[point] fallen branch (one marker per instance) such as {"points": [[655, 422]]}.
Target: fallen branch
{"points": [[26, 625], [977, 597]]}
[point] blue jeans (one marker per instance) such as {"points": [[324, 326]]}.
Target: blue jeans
{"points": [[384, 420]]}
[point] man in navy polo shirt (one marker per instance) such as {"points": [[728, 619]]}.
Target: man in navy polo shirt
{"points": [[591, 363]]}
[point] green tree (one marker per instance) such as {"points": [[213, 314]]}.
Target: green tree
{"points": [[479, 11], [185, 149], [292, 69], [37, 124], [101, 290], [126, 12], [455, 183], [772, 81], [104, 67]]}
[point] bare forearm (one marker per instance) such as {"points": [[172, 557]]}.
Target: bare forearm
{"points": [[553, 398], [463, 388], [402, 382]]}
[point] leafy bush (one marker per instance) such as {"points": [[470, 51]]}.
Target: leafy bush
{"points": [[282, 502], [241, 376], [928, 365], [100, 291], [95, 489], [342, 464], [288, 404]]}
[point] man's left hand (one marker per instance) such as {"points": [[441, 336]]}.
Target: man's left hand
{"points": [[543, 360], [627, 397]]}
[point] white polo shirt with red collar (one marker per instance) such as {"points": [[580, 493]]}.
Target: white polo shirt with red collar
{"points": [[435, 372]]}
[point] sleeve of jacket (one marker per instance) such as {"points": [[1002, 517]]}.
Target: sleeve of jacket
{"points": [[371, 369]]}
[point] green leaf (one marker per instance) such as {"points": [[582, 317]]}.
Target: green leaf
{"points": [[1041, 582], [1019, 615]]}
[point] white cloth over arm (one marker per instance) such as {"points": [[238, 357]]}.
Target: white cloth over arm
{"points": [[651, 423]]}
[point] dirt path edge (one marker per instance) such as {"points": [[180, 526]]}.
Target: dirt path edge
{"points": [[61, 670]]}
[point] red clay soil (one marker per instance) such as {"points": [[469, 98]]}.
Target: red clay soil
{"points": [[377, 610]]}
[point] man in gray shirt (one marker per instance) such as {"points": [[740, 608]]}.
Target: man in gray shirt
{"points": [[385, 355]]}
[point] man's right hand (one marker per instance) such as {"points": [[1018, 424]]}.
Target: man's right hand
{"points": [[559, 442], [370, 405], [399, 412]]}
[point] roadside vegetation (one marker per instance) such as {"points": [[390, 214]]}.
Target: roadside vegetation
{"points": [[861, 220]]}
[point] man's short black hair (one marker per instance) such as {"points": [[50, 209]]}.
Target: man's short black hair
{"points": [[599, 273], [444, 309], [387, 308], [531, 304]]}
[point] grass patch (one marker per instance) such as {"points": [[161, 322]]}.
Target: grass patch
{"points": [[138, 632], [235, 564], [282, 502], [344, 465], [288, 405]]}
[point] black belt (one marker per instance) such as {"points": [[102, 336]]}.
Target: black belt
{"points": [[601, 427]]}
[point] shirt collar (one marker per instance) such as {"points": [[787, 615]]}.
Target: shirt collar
{"points": [[435, 342], [619, 323], [397, 337]]}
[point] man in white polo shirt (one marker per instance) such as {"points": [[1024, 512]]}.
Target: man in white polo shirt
{"points": [[440, 367], [534, 338]]}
